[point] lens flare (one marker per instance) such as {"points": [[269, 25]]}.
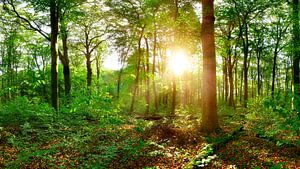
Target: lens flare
{"points": [[178, 62]]}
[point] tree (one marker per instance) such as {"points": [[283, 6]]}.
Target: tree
{"points": [[92, 31], [209, 116], [278, 36], [296, 52], [54, 18], [68, 12]]}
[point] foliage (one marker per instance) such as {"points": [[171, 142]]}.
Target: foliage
{"points": [[273, 116], [21, 111]]}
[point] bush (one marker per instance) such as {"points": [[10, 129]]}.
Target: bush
{"points": [[20, 111], [273, 116]]}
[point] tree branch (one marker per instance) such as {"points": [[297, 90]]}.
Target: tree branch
{"points": [[35, 28]]}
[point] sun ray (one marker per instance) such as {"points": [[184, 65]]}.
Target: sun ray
{"points": [[178, 62]]}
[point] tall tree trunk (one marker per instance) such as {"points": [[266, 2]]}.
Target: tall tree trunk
{"points": [[296, 53], [225, 82], [246, 52], [136, 83], [252, 84], [230, 76], [236, 82], [241, 86], [64, 57], [119, 81], [230, 67], [274, 71], [98, 68], [54, 72], [286, 77], [231, 87], [147, 72], [89, 72], [174, 93], [276, 51], [209, 116], [154, 68], [258, 72]]}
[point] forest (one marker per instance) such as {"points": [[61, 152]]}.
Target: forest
{"points": [[150, 84]]}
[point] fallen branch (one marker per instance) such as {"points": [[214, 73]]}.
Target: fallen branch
{"points": [[278, 142], [150, 117]]}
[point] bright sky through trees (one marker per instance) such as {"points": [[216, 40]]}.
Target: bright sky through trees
{"points": [[178, 61], [111, 61]]}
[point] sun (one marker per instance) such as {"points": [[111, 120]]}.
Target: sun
{"points": [[178, 61]]}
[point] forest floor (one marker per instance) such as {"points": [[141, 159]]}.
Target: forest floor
{"points": [[143, 142], [237, 147]]}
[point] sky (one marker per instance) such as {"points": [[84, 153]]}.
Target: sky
{"points": [[111, 62]]}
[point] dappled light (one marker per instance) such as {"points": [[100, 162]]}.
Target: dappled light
{"points": [[149, 84]]}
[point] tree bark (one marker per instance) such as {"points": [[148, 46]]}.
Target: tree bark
{"points": [[296, 53], [209, 104], [258, 72], [54, 72], [98, 69], [147, 76], [89, 72], [246, 52], [225, 80], [241, 86], [64, 57], [119, 82], [230, 73], [274, 71]]}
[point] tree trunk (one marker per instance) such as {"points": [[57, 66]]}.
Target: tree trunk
{"points": [[154, 68], [136, 83], [274, 71], [209, 116], [98, 60], [119, 82], [296, 54], [231, 87], [89, 72], [258, 73], [54, 72], [241, 86], [64, 58], [236, 82], [147, 72], [230, 67], [286, 77], [225, 82], [174, 92], [246, 52]]}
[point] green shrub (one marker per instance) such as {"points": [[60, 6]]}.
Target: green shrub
{"points": [[273, 116], [20, 111]]}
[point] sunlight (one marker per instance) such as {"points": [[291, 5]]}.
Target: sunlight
{"points": [[178, 61]]}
